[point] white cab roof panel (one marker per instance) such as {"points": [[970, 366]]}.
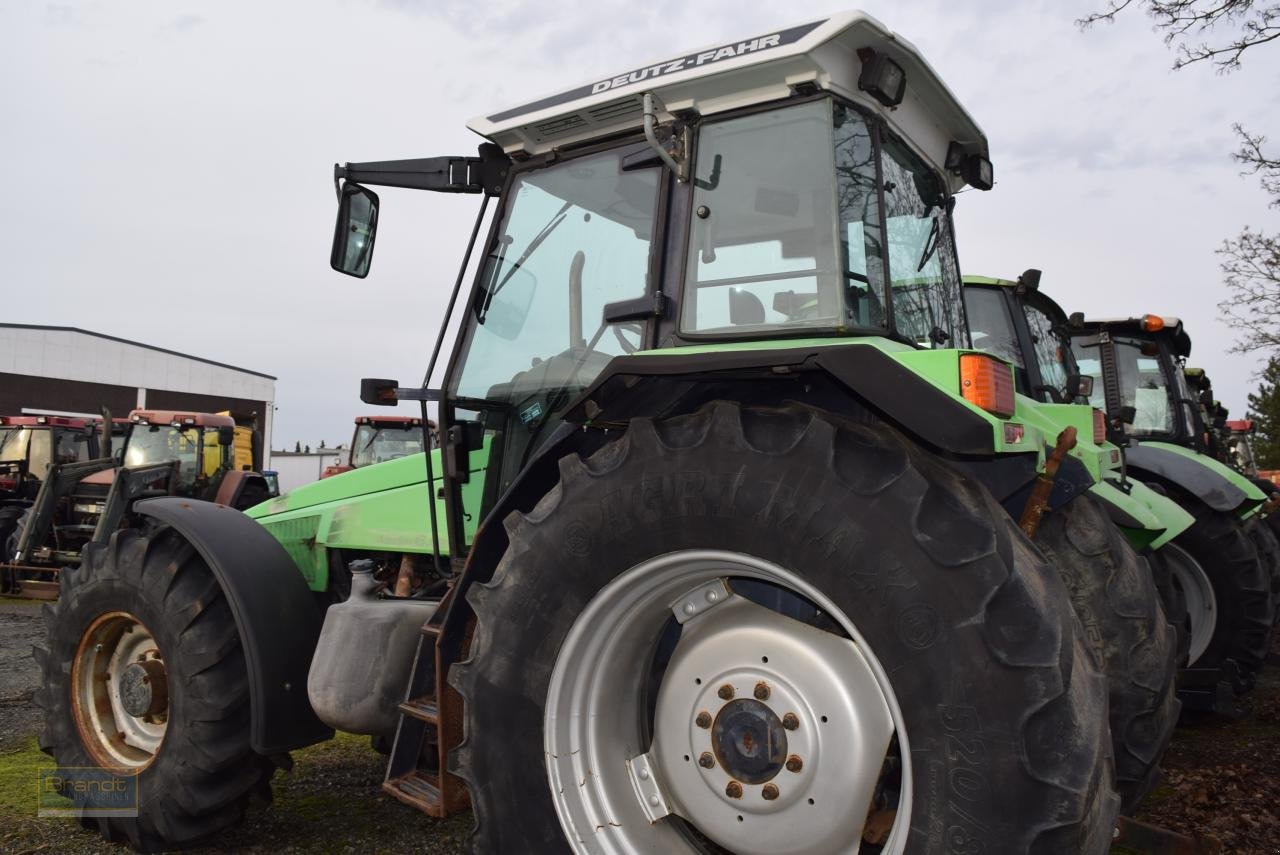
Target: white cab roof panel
{"points": [[760, 68]]}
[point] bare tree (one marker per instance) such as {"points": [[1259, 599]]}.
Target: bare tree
{"points": [[1251, 261], [1187, 23]]}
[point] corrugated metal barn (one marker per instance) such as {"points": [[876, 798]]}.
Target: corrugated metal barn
{"points": [[73, 371]]}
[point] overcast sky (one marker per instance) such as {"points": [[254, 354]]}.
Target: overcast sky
{"points": [[168, 164]]}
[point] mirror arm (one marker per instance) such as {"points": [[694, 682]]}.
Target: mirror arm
{"points": [[484, 174]]}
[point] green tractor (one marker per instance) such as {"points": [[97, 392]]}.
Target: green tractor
{"points": [[1116, 581], [1229, 555], [721, 547]]}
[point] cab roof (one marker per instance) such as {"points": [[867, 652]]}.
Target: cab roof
{"points": [[763, 67], [178, 417], [47, 421], [1173, 330]]}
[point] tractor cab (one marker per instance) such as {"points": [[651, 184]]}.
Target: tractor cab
{"points": [[204, 446], [1139, 379], [1239, 448], [1017, 322], [378, 439], [788, 190], [29, 445]]}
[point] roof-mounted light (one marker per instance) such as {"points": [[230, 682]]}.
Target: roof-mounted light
{"points": [[1152, 323], [974, 167], [42, 420], [882, 78]]}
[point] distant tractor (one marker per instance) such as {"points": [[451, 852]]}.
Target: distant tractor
{"points": [[381, 438], [30, 448], [1230, 558], [200, 456]]}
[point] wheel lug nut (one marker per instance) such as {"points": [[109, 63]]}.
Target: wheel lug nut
{"points": [[706, 761], [733, 790], [725, 692], [794, 763], [790, 721], [703, 720], [770, 792], [762, 691]]}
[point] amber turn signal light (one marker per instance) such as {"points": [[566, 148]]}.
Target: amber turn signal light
{"points": [[987, 382]]}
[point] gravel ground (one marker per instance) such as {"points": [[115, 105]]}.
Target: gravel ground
{"points": [[1222, 782], [20, 626]]}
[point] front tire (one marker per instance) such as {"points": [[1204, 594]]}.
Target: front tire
{"points": [[148, 603], [1114, 595], [848, 532], [1241, 587]]}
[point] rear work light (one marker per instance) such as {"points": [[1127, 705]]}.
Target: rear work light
{"points": [[987, 382], [1099, 427], [1152, 323]]}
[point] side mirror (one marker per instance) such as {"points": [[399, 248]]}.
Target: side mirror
{"points": [[355, 230], [745, 307], [378, 392], [226, 436], [1126, 415], [1079, 385]]}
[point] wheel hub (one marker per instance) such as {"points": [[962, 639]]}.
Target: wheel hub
{"points": [[749, 741], [143, 688]]}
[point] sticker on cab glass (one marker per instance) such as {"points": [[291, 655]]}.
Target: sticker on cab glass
{"points": [[531, 414]]}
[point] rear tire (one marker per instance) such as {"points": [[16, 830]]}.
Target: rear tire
{"points": [[1264, 540], [195, 769], [9, 518], [1114, 595], [1004, 711], [1241, 586]]}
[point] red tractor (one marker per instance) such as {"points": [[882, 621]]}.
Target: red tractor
{"points": [[30, 446], [381, 438]]}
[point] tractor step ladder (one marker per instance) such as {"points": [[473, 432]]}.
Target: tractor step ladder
{"points": [[418, 769]]}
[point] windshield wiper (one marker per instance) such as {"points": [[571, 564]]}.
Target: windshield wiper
{"points": [[930, 245], [542, 235]]}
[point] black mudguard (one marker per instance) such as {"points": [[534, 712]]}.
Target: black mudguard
{"points": [[275, 614], [1199, 481]]}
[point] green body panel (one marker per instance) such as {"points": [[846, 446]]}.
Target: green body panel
{"points": [[1173, 518], [941, 368], [1255, 498], [1051, 419], [381, 508]]}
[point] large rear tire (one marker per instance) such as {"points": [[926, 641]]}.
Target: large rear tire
{"points": [[1115, 597], [1241, 587], [142, 671], [850, 536], [1264, 540]]}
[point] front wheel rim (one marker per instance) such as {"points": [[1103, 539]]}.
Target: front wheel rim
{"points": [[1202, 603], [119, 692], [768, 734]]}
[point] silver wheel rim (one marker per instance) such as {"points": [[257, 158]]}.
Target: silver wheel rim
{"points": [[119, 692], [614, 793], [1202, 605]]}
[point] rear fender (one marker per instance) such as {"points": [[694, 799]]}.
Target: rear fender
{"points": [[275, 613]]}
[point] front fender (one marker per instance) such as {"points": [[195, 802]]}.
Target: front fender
{"points": [[275, 613], [1203, 477]]}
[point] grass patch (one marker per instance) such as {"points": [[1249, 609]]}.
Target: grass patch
{"points": [[21, 601], [19, 779]]}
